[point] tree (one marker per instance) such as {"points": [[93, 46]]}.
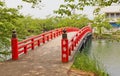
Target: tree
{"points": [[35, 3], [100, 23], [68, 9], [78, 21], [70, 5], [7, 20], [74, 4], [80, 3]]}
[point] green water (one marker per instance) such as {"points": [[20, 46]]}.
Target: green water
{"points": [[108, 54]]}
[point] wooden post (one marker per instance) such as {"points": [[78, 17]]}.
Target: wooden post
{"points": [[76, 38], [14, 45], [58, 32], [54, 34], [47, 37], [72, 45], [32, 44], [43, 38], [38, 42], [51, 35], [64, 44], [25, 49]]}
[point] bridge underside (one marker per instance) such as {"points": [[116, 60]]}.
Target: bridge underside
{"points": [[84, 41]]}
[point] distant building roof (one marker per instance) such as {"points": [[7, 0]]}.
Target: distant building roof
{"points": [[111, 9]]}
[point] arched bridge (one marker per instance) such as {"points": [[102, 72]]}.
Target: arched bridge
{"points": [[45, 54]]}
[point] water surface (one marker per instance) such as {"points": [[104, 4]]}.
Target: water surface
{"points": [[108, 53]]}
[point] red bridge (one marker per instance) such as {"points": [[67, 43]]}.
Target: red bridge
{"points": [[44, 54]]}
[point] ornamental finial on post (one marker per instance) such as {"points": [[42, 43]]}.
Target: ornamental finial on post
{"points": [[14, 34], [64, 35]]}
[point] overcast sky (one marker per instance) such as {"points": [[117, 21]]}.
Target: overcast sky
{"points": [[49, 6]]}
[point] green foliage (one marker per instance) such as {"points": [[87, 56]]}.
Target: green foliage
{"points": [[27, 26], [33, 2], [80, 3], [48, 24], [71, 5], [86, 63], [116, 36], [78, 21], [2, 3], [101, 23], [68, 9], [7, 20]]}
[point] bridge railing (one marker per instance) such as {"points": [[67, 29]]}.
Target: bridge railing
{"points": [[68, 46], [71, 29], [22, 47]]}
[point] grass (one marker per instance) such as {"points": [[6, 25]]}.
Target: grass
{"points": [[114, 36], [86, 63]]}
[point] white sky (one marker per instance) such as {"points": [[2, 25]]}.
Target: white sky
{"points": [[48, 8]]}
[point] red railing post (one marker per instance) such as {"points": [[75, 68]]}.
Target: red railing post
{"points": [[48, 38], [38, 42], [64, 47], [76, 38], [25, 50], [75, 43], [72, 45], [32, 44], [14, 45], [43, 38], [54, 34], [51, 35], [58, 32]]}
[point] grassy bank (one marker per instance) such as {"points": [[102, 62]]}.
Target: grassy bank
{"points": [[113, 36], [88, 64]]}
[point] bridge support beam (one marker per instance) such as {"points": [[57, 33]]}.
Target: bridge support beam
{"points": [[64, 44]]}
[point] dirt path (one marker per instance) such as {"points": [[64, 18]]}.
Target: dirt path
{"points": [[43, 61]]}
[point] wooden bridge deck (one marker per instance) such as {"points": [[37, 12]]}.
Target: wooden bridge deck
{"points": [[43, 61]]}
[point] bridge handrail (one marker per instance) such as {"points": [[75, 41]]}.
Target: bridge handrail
{"points": [[74, 40], [80, 31], [20, 47], [69, 45]]}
